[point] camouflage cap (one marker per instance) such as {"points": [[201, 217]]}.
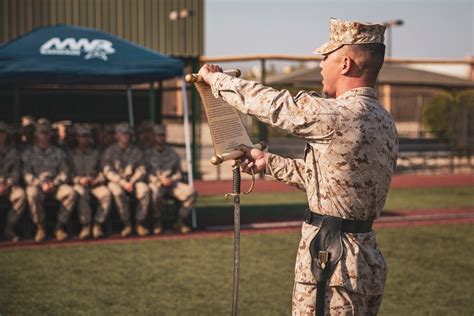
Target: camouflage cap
{"points": [[108, 128], [159, 129], [145, 126], [62, 123], [27, 120], [43, 120], [3, 127], [352, 33], [123, 128], [83, 129]]}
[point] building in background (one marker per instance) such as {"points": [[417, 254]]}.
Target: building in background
{"points": [[173, 27]]}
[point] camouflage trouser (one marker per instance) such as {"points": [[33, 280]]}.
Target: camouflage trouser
{"points": [[64, 194], [181, 191], [339, 301], [122, 201], [103, 197], [17, 197]]}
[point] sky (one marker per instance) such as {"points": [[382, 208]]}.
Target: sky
{"points": [[432, 29]]}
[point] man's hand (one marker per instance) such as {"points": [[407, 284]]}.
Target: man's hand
{"points": [[85, 181], [207, 70], [47, 186], [165, 181], [253, 159], [3, 188], [127, 186]]}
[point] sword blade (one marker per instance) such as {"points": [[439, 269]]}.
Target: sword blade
{"points": [[235, 294]]}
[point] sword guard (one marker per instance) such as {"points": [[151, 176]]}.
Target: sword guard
{"points": [[252, 185]]}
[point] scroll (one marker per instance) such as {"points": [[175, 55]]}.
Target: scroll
{"points": [[226, 127]]}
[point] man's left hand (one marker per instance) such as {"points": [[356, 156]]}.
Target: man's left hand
{"points": [[253, 159]]}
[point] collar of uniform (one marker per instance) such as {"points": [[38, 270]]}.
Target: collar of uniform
{"points": [[365, 91]]}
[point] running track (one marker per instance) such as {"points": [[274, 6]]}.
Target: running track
{"points": [[398, 181], [387, 220]]}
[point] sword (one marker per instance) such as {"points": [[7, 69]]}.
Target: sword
{"points": [[222, 153], [236, 179], [236, 194]]}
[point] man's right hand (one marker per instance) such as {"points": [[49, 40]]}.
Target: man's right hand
{"points": [[253, 159]]}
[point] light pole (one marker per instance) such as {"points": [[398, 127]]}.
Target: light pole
{"points": [[390, 24]]}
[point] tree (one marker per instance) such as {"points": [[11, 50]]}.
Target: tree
{"points": [[450, 116]]}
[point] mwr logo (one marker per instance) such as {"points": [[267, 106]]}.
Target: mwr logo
{"points": [[96, 48]]}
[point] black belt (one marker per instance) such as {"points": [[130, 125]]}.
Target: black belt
{"points": [[347, 225]]}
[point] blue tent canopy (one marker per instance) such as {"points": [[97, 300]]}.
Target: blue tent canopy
{"points": [[76, 55]]}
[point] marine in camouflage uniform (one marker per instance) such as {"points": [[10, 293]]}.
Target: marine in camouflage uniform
{"points": [[164, 175], [45, 171], [348, 162], [124, 168], [88, 179], [10, 173], [145, 137]]}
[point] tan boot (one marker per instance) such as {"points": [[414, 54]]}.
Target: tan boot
{"points": [[60, 234], [126, 231], [10, 233], [141, 230], [157, 229], [40, 233], [97, 231], [85, 232], [182, 227]]}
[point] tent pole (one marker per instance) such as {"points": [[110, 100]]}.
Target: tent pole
{"points": [[187, 141], [152, 103], [16, 106], [130, 107]]}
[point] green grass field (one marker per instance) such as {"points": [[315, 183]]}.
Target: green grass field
{"points": [[430, 268], [214, 210], [431, 272]]}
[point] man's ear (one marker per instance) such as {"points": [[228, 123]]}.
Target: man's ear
{"points": [[346, 64]]}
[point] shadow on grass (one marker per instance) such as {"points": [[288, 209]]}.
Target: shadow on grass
{"points": [[224, 215]]}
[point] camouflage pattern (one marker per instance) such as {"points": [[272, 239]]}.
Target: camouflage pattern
{"points": [[339, 301], [10, 173], [120, 166], [167, 162], [87, 164], [43, 165], [349, 158], [350, 32]]}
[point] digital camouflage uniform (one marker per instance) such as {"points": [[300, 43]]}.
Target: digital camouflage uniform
{"points": [[10, 173], [126, 165], [168, 163], [39, 166], [348, 161], [87, 164]]}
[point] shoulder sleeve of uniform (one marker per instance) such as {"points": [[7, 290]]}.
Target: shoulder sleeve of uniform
{"points": [[305, 116]]}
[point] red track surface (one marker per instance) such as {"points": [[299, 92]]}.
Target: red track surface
{"points": [[388, 220], [398, 181]]}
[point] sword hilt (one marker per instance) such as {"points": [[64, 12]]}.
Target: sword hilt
{"points": [[236, 178], [236, 181]]}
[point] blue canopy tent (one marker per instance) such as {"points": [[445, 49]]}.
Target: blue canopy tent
{"points": [[65, 54]]}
